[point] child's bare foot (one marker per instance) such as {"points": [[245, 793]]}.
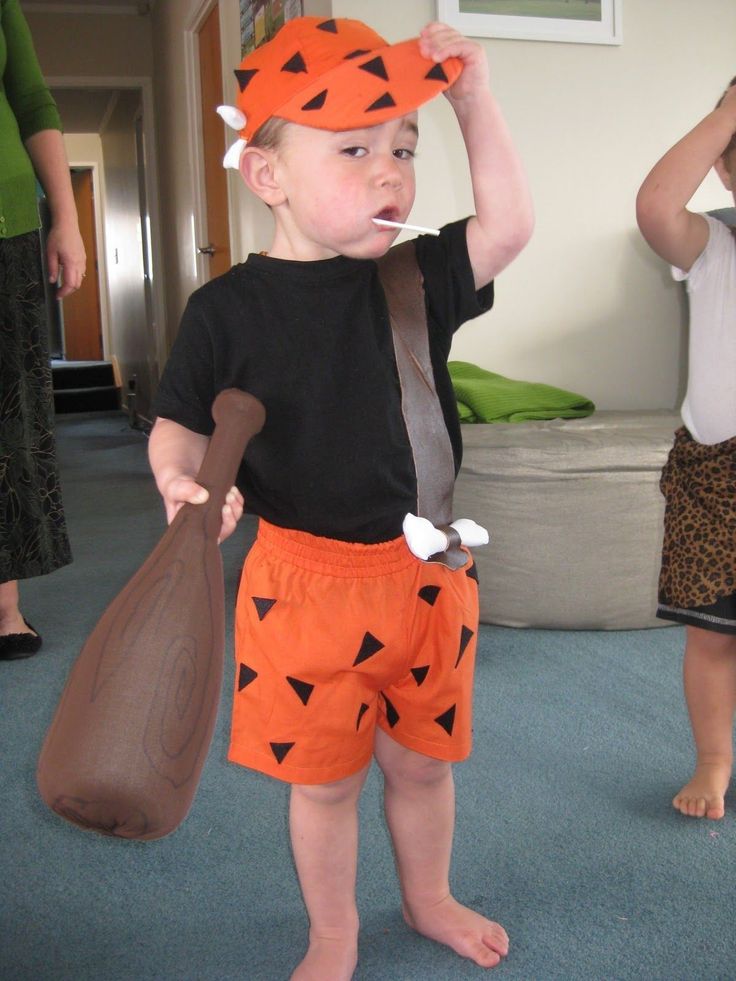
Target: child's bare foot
{"points": [[704, 795], [465, 931], [328, 959]]}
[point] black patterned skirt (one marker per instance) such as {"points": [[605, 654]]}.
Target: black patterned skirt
{"points": [[33, 537]]}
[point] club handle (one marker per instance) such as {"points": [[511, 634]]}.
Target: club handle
{"points": [[238, 417]]}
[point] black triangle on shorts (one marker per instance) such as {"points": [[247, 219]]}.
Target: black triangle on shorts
{"points": [[246, 674], [392, 716], [280, 750], [370, 646], [465, 636], [302, 688], [447, 720], [262, 605]]}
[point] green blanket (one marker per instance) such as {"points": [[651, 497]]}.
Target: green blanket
{"points": [[483, 396]]}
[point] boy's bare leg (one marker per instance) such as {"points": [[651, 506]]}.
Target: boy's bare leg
{"points": [[324, 840], [419, 798], [709, 675]]}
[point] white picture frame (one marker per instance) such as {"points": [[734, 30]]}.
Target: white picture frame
{"points": [[497, 18]]}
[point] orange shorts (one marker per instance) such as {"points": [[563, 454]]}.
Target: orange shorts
{"points": [[333, 639]]}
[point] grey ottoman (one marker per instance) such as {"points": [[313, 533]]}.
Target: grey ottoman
{"points": [[575, 514]]}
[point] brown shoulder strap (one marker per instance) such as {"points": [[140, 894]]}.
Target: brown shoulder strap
{"points": [[434, 463]]}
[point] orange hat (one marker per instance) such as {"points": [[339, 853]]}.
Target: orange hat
{"points": [[333, 74]]}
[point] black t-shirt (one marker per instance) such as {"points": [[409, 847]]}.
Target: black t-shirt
{"points": [[312, 341]]}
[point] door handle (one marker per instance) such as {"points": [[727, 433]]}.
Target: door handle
{"points": [[206, 249]]}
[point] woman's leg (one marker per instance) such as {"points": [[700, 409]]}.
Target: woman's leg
{"points": [[11, 619]]}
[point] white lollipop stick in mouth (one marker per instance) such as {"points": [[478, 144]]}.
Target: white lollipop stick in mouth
{"points": [[409, 228]]}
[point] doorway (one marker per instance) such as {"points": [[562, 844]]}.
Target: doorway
{"points": [[217, 246], [81, 320], [108, 131]]}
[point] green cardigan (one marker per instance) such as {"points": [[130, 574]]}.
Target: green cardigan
{"points": [[26, 107]]}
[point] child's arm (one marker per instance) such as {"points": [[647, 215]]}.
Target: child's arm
{"points": [[175, 454], [504, 217], [673, 232]]}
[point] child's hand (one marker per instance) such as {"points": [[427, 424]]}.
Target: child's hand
{"points": [[728, 103], [185, 490], [729, 97], [438, 41]]}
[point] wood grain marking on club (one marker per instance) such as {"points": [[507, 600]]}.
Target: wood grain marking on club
{"points": [[126, 747]]}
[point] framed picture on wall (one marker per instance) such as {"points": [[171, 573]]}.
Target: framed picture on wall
{"points": [[261, 19], [580, 21]]}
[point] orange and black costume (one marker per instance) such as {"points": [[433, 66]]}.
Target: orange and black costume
{"points": [[338, 626]]}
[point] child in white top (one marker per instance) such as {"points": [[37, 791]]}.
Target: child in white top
{"points": [[697, 581]]}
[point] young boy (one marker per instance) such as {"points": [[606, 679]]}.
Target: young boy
{"points": [[347, 645], [698, 576]]}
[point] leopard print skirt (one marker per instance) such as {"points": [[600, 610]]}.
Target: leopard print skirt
{"points": [[699, 550]]}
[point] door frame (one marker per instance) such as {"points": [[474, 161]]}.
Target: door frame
{"points": [[98, 193], [99, 248], [151, 178], [229, 27]]}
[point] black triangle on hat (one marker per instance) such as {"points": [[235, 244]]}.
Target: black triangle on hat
{"points": [[376, 67], [357, 53], [328, 25], [244, 76], [385, 102], [436, 73], [317, 102], [295, 64]]}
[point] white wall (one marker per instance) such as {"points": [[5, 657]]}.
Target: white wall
{"points": [[586, 306], [130, 340]]}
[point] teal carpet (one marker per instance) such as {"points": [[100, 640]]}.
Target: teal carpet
{"points": [[565, 832]]}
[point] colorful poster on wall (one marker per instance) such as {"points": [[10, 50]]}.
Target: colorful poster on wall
{"points": [[261, 19]]}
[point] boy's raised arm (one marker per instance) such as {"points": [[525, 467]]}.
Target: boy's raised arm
{"points": [[673, 232], [504, 216]]}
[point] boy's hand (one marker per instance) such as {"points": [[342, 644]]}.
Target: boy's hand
{"points": [[185, 490], [438, 41], [504, 217], [675, 233]]}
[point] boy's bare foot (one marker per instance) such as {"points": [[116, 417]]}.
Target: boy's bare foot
{"points": [[704, 795], [465, 931], [328, 959]]}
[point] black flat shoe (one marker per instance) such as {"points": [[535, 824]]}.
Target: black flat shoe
{"points": [[15, 646]]}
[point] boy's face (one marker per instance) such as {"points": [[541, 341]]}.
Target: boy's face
{"points": [[333, 184]]}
